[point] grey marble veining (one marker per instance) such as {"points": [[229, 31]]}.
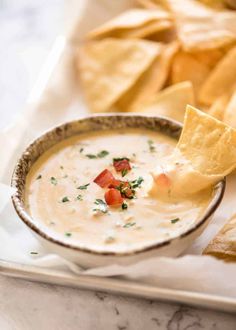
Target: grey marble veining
{"points": [[27, 30]]}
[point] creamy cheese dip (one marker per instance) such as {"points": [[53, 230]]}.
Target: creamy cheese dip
{"points": [[61, 194]]}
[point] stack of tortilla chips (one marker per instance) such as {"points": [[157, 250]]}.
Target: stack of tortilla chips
{"points": [[161, 56]]}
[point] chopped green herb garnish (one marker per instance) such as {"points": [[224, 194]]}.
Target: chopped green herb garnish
{"points": [[65, 199], [151, 146], [120, 158], [84, 187], [102, 154], [81, 150], [175, 220], [124, 206], [65, 176], [79, 198], [39, 177], [129, 224], [126, 189], [91, 156], [53, 180], [34, 253], [61, 167], [124, 172], [136, 183], [68, 234], [101, 206]]}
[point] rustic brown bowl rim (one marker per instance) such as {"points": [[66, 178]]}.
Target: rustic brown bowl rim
{"points": [[18, 203]]}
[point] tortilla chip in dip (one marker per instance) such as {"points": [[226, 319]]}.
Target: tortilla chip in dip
{"points": [[205, 153], [223, 245], [133, 23], [221, 80], [108, 68], [171, 101], [151, 81], [209, 144]]}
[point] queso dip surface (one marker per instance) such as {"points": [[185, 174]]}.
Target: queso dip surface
{"points": [[61, 194]]}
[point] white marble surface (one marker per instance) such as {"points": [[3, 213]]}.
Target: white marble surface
{"points": [[28, 306], [27, 29]]}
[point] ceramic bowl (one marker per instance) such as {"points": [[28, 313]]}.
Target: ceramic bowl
{"points": [[87, 257]]}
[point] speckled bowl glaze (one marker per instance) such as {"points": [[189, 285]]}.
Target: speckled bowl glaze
{"points": [[84, 256]]}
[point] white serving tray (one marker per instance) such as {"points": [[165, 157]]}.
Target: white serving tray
{"points": [[116, 285]]}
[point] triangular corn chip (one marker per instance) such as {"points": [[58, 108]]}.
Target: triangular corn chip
{"points": [[215, 4], [209, 144], [223, 245], [230, 112], [221, 80], [149, 29], [186, 67], [150, 82], [108, 68], [171, 102], [210, 57], [152, 4], [199, 27], [230, 4], [133, 23]]}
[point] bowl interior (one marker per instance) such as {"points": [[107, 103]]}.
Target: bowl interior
{"points": [[89, 124]]}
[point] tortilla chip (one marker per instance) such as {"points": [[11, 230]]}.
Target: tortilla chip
{"points": [[152, 4], [230, 4], [211, 57], [166, 36], [205, 153], [221, 80], [230, 111], [108, 68], [150, 82], [223, 245], [184, 179], [215, 4], [149, 29], [209, 144], [200, 27], [186, 67], [171, 102], [133, 23], [218, 108]]}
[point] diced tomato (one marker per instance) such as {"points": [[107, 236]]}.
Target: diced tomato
{"points": [[121, 165], [163, 180], [113, 197], [104, 179], [115, 183]]}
